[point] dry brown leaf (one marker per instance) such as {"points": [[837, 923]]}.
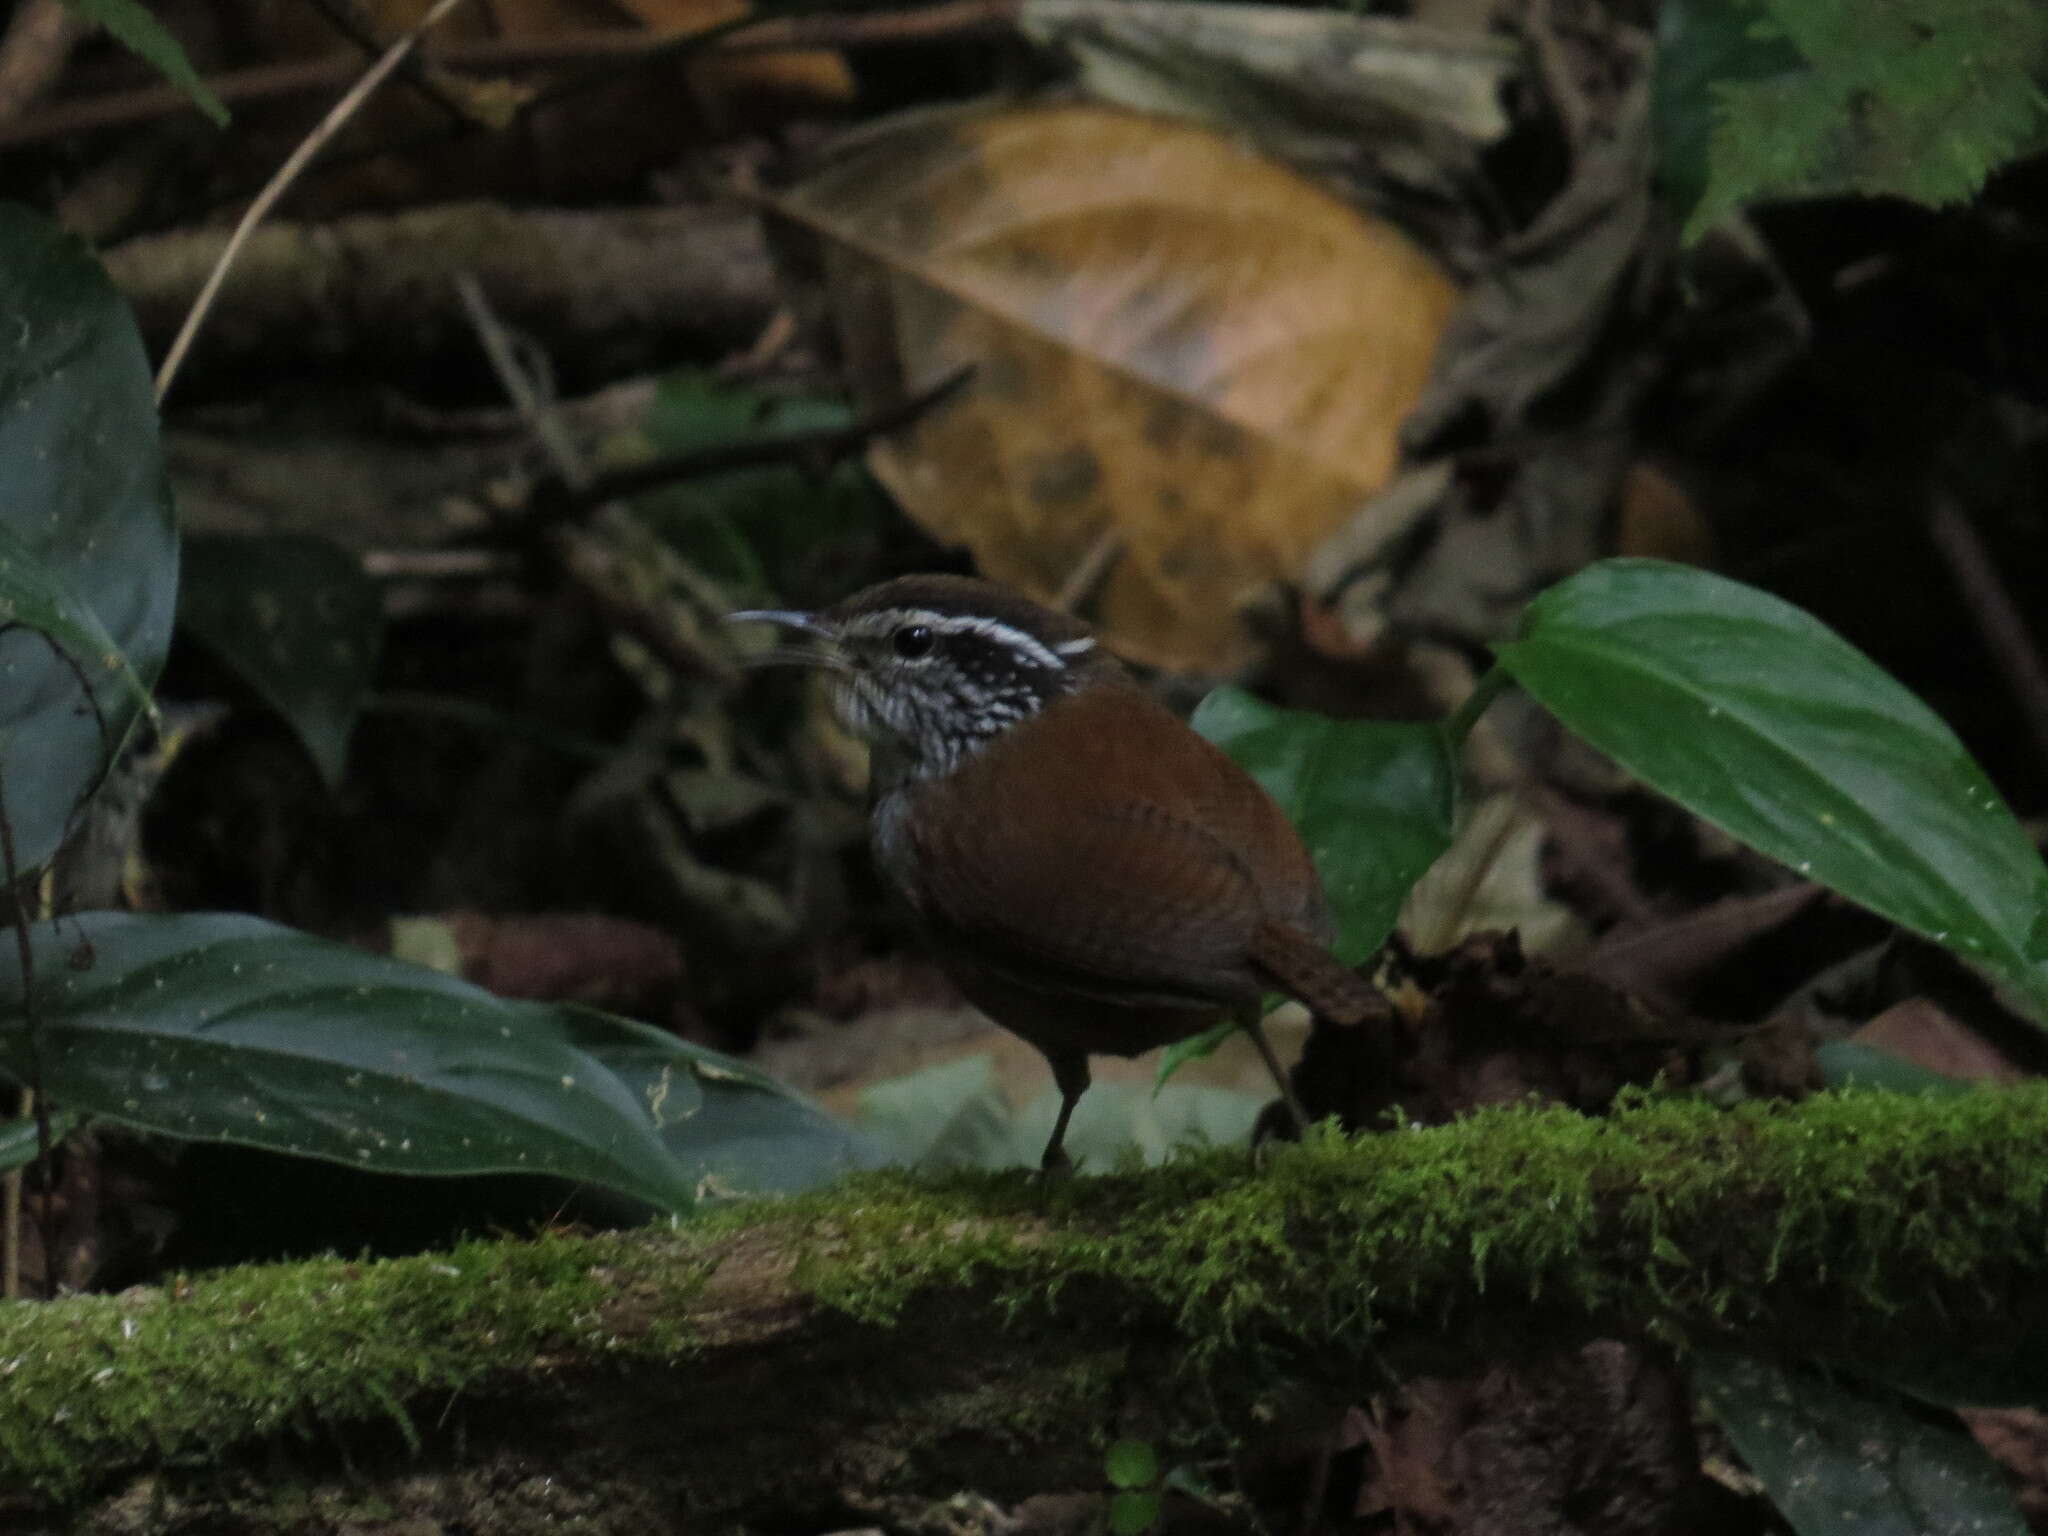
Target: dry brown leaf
{"points": [[1185, 354], [1490, 878]]}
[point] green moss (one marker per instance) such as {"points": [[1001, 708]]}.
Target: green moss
{"points": [[155, 1375], [1671, 1216], [1866, 1227]]}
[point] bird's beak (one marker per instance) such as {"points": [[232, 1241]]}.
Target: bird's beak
{"points": [[827, 655]]}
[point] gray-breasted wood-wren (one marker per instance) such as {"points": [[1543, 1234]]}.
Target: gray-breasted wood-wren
{"points": [[1090, 872]]}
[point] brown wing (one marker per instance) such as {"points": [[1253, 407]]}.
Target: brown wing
{"points": [[1107, 848]]}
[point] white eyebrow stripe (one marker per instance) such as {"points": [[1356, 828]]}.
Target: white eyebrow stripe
{"points": [[1016, 639], [1080, 647]]}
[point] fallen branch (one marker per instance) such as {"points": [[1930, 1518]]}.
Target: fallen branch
{"points": [[602, 291], [899, 1337]]}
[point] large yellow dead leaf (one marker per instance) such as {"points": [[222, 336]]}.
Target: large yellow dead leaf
{"points": [[1184, 354]]}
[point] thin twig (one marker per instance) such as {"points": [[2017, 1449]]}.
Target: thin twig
{"points": [[955, 18], [288, 173], [438, 564], [813, 446], [754, 34], [591, 563], [534, 409], [417, 72], [1089, 571], [1997, 616]]}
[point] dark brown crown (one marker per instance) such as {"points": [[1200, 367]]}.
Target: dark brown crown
{"points": [[963, 597]]}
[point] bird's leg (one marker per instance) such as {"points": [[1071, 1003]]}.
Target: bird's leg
{"points": [[1248, 1019], [1070, 1074]]}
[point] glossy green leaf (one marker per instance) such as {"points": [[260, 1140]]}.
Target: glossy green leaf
{"points": [[19, 1138], [1131, 1464], [298, 619], [1751, 713], [88, 553], [226, 1028], [1373, 801], [142, 34], [1838, 1460], [740, 1132], [37, 597]]}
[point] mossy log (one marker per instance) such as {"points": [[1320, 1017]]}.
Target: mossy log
{"points": [[810, 1361]]}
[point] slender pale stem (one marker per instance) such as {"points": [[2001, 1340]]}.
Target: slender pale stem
{"points": [[288, 173]]}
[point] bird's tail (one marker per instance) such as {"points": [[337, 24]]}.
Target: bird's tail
{"points": [[1303, 967]]}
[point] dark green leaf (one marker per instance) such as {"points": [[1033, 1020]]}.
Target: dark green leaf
{"points": [[1131, 1464], [142, 34], [227, 1028], [1702, 44], [1841, 1461], [1913, 98], [298, 619], [88, 553], [18, 1138], [1751, 713], [1374, 802], [38, 598], [740, 1132]]}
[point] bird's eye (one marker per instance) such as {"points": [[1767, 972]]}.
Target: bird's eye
{"points": [[912, 641]]}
